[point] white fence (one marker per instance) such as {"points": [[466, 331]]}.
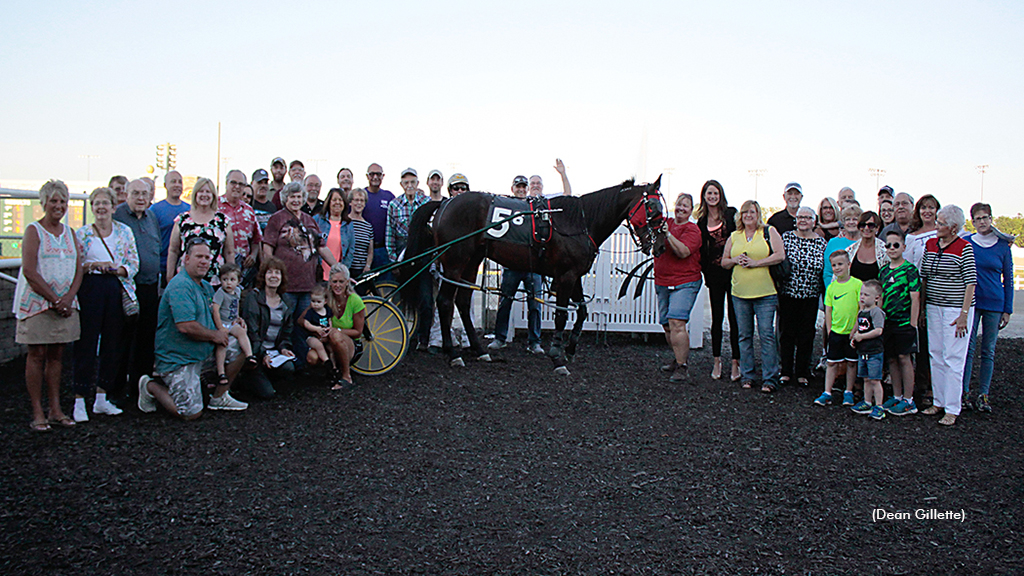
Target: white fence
{"points": [[606, 312]]}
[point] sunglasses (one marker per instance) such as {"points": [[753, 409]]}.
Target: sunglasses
{"points": [[892, 245], [868, 225], [460, 188]]}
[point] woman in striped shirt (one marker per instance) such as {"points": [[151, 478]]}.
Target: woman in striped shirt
{"points": [[362, 260], [947, 269]]}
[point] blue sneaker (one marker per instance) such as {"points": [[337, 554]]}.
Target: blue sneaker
{"points": [[903, 408], [824, 400], [877, 413], [888, 404], [847, 398], [862, 407]]}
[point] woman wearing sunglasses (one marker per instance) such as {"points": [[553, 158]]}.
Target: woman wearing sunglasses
{"points": [[867, 254]]}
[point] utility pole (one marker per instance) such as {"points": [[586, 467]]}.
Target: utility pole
{"points": [[88, 165], [982, 168], [877, 173], [757, 173], [316, 164]]}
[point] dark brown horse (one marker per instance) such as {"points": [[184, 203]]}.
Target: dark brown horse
{"points": [[581, 225]]}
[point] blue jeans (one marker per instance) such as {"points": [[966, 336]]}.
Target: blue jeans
{"points": [[380, 260], [510, 280], [747, 309], [989, 333]]}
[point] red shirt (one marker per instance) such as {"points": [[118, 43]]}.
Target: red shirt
{"points": [[244, 226], [671, 270]]}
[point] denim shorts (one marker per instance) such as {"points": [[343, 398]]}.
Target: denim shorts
{"points": [[676, 302], [869, 366]]}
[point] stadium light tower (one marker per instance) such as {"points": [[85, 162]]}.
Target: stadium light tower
{"points": [[757, 173], [877, 173], [982, 168], [88, 165]]}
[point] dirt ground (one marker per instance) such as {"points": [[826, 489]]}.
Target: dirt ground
{"points": [[504, 468]]}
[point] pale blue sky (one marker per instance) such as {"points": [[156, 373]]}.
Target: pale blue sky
{"points": [[815, 92]]}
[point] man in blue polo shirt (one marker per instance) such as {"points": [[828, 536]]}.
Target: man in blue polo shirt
{"points": [[166, 210]]}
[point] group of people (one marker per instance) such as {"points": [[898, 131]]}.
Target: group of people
{"points": [[893, 284], [248, 286]]}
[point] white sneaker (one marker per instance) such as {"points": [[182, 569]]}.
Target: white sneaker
{"points": [[105, 407], [536, 349], [80, 414], [146, 401], [226, 402], [496, 344]]}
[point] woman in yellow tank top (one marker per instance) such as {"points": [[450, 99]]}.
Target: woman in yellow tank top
{"points": [[753, 293]]}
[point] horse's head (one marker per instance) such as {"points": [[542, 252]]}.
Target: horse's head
{"points": [[646, 220]]}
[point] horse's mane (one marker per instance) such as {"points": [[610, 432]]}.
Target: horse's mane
{"points": [[628, 183]]}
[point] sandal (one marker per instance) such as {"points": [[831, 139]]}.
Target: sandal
{"points": [[747, 384], [63, 421], [342, 385], [252, 362], [222, 380], [802, 381], [784, 380], [716, 375], [39, 426], [768, 388]]}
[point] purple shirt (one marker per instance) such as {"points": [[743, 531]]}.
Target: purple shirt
{"points": [[376, 213]]}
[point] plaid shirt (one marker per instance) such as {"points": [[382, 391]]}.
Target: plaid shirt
{"points": [[400, 212], [243, 226]]}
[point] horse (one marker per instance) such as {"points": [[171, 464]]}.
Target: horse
{"points": [[581, 224]]}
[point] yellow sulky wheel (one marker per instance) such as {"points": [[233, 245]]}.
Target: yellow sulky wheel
{"points": [[385, 338], [386, 290]]}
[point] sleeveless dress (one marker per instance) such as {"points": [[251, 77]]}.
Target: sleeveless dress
{"points": [[215, 232], [57, 263]]}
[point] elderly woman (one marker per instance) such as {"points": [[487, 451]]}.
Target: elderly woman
{"points": [[850, 233], [677, 281], [716, 221], [336, 229], [949, 276], [750, 250], [111, 260], [362, 235], [294, 237], [828, 219], [993, 266], [798, 302], [348, 317], [270, 321], [45, 303], [867, 254], [203, 220]]}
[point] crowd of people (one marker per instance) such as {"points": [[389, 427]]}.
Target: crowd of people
{"points": [[900, 286], [184, 302], [181, 303]]}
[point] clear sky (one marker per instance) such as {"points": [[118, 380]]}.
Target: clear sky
{"points": [[817, 92]]}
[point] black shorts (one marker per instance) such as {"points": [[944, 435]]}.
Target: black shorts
{"points": [[899, 341], [839, 348]]}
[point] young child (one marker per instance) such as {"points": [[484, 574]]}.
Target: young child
{"points": [[841, 307], [225, 313], [867, 339], [317, 323], [901, 302]]}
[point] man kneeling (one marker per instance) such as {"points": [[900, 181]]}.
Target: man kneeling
{"points": [[185, 340]]}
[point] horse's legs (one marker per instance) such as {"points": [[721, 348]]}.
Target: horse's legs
{"points": [[444, 314], [464, 302], [577, 326], [561, 317]]}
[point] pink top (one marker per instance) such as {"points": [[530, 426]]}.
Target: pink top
{"points": [[333, 244]]}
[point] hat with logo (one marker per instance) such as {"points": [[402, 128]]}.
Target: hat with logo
{"points": [[260, 175]]}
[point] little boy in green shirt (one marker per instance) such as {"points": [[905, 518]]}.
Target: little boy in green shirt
{"points": [[842, 303]]}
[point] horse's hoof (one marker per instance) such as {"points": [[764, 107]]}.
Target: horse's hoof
{"points": [[457, 362], [561, 371], [484, 358]]}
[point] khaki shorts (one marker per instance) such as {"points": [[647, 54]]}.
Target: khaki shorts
{"points": [[48, 327]]}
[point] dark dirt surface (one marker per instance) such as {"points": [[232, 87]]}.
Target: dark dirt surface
{"points": [[504, 468]]}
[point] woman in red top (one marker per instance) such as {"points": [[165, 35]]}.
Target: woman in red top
{"points": [[677, 280]]}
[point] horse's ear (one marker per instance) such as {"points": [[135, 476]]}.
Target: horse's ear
{"points": [[657, 184]]}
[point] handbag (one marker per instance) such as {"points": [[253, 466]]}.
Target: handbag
{"points": [[780, 272], [130, 307]]}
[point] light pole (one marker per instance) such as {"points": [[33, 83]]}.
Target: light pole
{"points": [[88, 165], [982, 168], [877, 173], [757, 173], [316, 164]]}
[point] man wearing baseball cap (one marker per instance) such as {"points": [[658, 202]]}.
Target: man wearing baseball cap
{"points": [[435, 181], [278, 168], [785, 220], [400, 212], [510, 281], [261, 204], [457, 184]]}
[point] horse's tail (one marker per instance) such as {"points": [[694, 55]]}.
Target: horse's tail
{"points": [[420, 240]]}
